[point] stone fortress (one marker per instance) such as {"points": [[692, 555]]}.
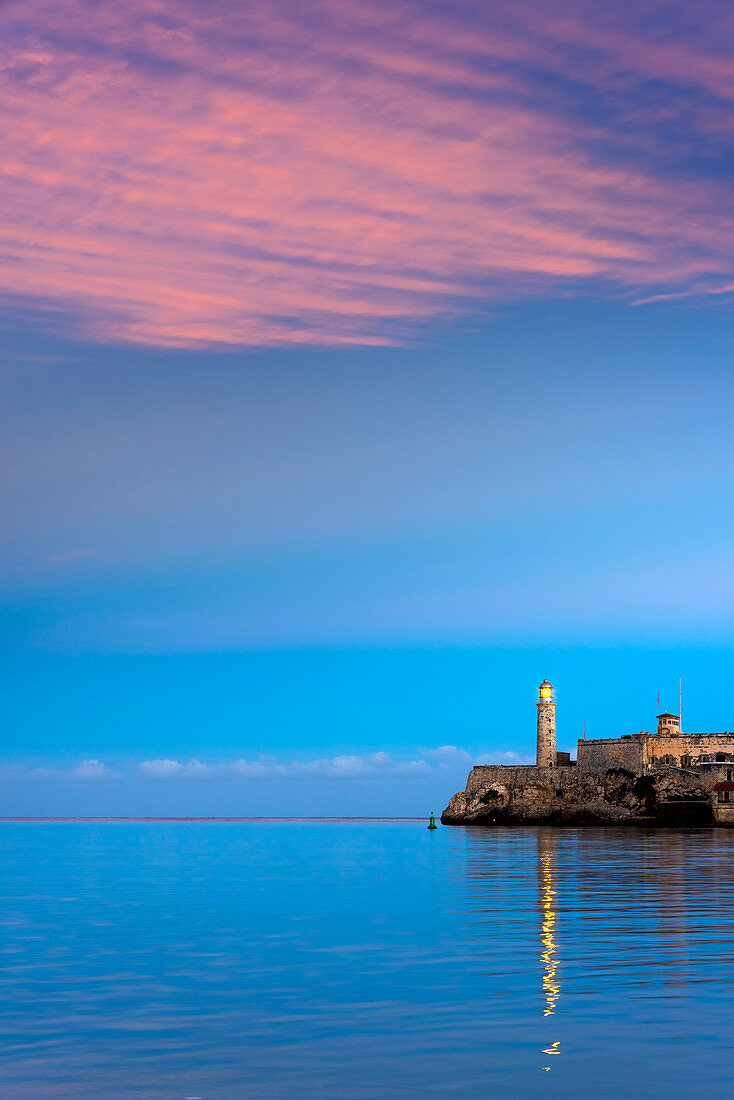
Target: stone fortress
{"points": [[666, 778]]}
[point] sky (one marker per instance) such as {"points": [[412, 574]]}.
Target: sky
{"points": [[362, 365]]}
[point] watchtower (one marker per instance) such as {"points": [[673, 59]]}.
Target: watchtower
{"points": [[668, 724], [546, 752]]}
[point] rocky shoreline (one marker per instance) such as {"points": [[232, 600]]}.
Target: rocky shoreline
{"points": [[497, 795]]}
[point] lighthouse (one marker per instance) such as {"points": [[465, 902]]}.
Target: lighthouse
{"points": [[546, 753]]}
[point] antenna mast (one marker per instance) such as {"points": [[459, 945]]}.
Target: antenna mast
{"points": [[680, 702]]}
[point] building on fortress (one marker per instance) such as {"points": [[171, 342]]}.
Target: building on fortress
{"points": [[668, 746], [669, 777]]}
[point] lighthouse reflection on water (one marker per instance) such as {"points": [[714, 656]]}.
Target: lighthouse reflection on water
{"points": [[548, 930], [515, 897]]}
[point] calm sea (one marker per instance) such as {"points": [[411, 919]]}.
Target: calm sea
{"points": [[364, 959]]}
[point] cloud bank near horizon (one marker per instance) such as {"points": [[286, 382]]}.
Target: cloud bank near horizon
{"points": [[178, 174], [85, 771], [365, 766]]}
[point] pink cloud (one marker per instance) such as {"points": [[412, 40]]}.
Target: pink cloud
{"points": [[178, 174]]}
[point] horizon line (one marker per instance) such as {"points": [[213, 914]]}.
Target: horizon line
{"points": [[205, 818]]}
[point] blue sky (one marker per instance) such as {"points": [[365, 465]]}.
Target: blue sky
{"points": [[362, 365], [296, 557]]}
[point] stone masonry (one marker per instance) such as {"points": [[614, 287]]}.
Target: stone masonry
{"points": [[546, 727]]}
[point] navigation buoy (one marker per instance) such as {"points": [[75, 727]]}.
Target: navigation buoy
{"points": [[432, 823]]}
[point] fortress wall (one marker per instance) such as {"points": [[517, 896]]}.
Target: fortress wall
{"points": [[721, 775], [716, 773], [634, 753], [517, 775], [693, 745], [641, 750], [724, 813], [603, 753], [483, 774]]}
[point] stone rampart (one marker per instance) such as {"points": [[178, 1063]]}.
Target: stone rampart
{"points": [[618, 752], [484, 774]]}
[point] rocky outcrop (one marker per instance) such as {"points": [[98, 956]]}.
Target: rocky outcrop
{"points": [[570, 796]]}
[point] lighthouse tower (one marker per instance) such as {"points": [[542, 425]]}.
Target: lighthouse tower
{"points": [[546, 755]]}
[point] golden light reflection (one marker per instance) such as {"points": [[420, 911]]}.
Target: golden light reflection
{"points": [[549, 954], [549, 948]]}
